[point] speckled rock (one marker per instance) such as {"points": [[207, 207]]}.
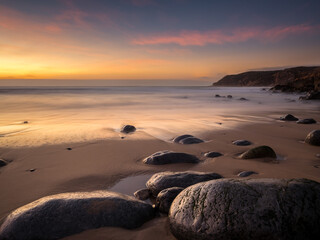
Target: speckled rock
{"points": [[128, 129], [212, 154], [246, 173], [307, 121], [289, 117], [313, 138], [142, 194], [166, 197], [167, 157], [164, 180], [57, 216], [242, 142], [264, 209], [259, 152], [191, 140], [179, 138]]}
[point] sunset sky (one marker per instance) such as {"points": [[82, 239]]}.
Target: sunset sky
{"points": [[154, 39]]}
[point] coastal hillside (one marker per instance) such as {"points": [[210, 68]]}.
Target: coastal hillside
{"points": [[290, 79]]}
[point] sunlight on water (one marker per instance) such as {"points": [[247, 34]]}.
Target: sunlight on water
{"points": [[31, 117]]}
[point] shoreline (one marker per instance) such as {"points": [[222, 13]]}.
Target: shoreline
{"points": [[97, 165]]}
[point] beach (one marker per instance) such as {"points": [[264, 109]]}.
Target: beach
{"points": [[73, 147]]}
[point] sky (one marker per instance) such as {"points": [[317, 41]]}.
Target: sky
{"points": [[160, 40]]}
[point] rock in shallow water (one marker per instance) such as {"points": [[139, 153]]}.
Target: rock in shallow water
{"points": [[164, 180], [128, 129], [313, 138], [242, 142], [142, 194], [179, 138], [259, 152], [246, 173], [166, 197], [65, 214], [167, 157], [212, 154], [289, 117], [307, 121], [267, 209], [3, 163], [191, 140]]}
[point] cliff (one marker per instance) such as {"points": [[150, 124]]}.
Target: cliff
{"points": [[291, 79]]}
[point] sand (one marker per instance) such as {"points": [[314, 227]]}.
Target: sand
{"points": [[101, 164]]}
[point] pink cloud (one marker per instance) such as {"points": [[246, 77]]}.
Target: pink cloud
{"points": [[198, 38]]}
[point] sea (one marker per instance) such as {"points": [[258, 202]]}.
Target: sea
{"points": [[34, 116]]}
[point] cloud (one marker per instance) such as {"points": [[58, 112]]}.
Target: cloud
{"points": [[201, 38]]}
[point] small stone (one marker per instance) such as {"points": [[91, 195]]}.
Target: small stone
{"points": [[31, 170], [128, 129], [69, 148], [246, 173], [166, 197], [212, 154], [191, 140], [142, 194], [167, 157], [289, 117], [179, 138], [318, 155], [3, 163], [243, 99], [25, 122], [229, 96], [259, 152], [307, 121], [217, 96], [242, 142], [313, 138]]}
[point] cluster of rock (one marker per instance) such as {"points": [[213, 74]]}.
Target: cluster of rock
{"points": [[291, 118]]}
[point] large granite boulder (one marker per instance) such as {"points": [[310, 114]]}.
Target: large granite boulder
{"points": [[166, 157], [164, 180], [259, 152], [313, 138], [65, 214], [264, 209], [166, 197]]}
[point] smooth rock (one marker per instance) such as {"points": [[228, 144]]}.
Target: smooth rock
{"points": [[313, 138], [3, 163], [166, 197], [167, 157], [142, 194], [212, 154], [246, 173], [264, 209], [128, 129], [191, 140], [313, 95], [229, 96], [164, 180], [241, 142], [57, 216], [217, 96], [307, 121], [289, 117], [243, 99], [179, 138], [259, 152]]}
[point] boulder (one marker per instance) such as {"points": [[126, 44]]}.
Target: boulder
{"points": [[179, 138], [313, 138], [164, 180], [212, 154], [166, 197], [3, 163], [57, 216], [259, 152], [128, 129], [289, 117], [166, 157], [142, 194], [242, 142], [246, 173], [264, 209], [190, 140], [306, 121], [313, 95]]}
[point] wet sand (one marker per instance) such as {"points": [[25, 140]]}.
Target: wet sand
{"points": [[101, 164]]}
